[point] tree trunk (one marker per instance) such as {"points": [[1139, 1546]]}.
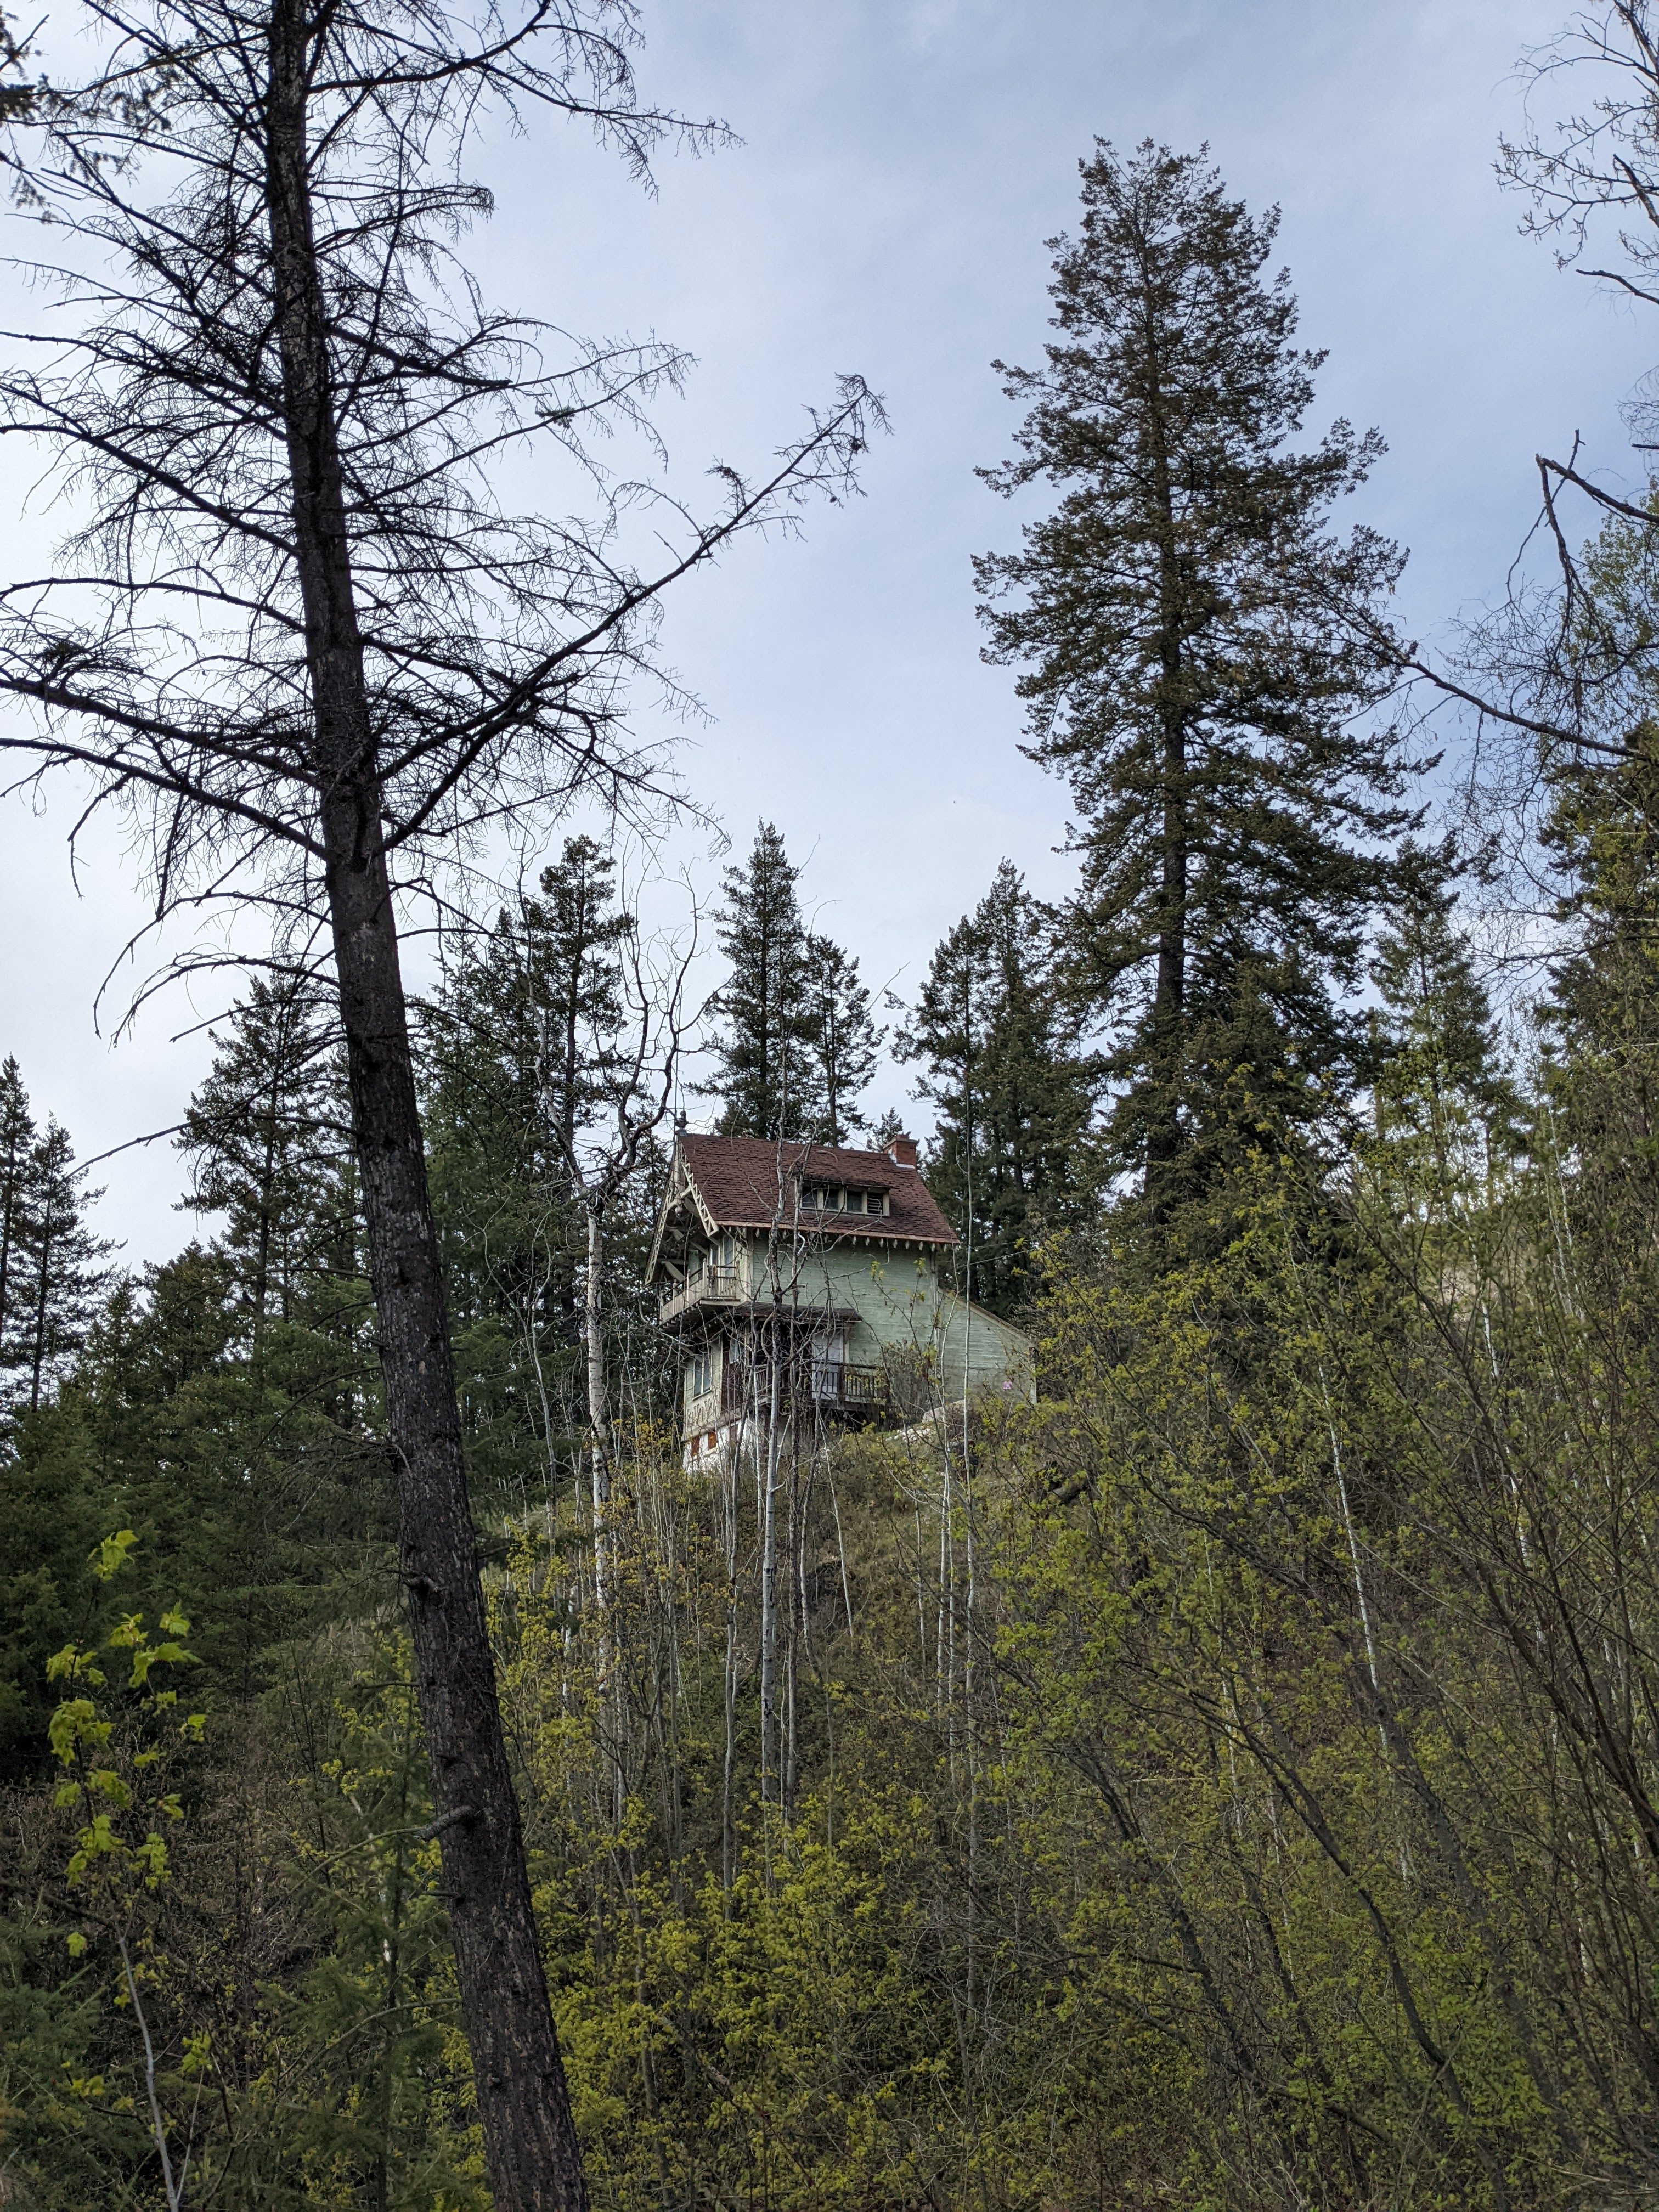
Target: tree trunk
{"points": [[598, 1420], [729, 1759], [531, 2153], [769, 1535], [598, 1408]]}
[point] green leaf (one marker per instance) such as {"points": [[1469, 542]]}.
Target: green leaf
{"points": [[112, 1554]]}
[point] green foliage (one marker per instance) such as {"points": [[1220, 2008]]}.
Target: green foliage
{"points": [[798, 1043], [1198, 650], [1015, 1157], [518, 1050], [51, 1265], [266, 1141]]}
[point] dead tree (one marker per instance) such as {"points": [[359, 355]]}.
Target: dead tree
{"points": [[297, 640]]}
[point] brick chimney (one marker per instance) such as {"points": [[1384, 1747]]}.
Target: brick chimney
{"points": [[904, 1150]]}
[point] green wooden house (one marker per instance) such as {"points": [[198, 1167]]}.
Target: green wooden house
{"points": [[816, 1276]]}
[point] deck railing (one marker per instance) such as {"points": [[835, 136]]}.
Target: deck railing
{"points": [[838, 1386], [709, 1285]]}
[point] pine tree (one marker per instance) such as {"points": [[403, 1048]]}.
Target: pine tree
{"points": [[1014, 1153], [523, 1047], [1441, 1098], [66, 1259], [1600, 1017], [522, 1035], [266, 1137], [1196, 646], [842, 1041], [767, 1076], [573, 938], [799, 1044], [17, 1137], [51, 1271]]}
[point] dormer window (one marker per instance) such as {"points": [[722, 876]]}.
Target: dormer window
{"points": [[825, 1197]]}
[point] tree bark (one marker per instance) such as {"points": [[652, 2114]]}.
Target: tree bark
{"points": [[769, 1535], [530, 2153], [598, 1420], [598, 1412]]}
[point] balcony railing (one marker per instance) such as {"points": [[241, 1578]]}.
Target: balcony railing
{"points": [[836, 1386], [709, 1287]]}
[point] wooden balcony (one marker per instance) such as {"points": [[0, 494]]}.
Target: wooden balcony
{"points": [[709, 1287], [833, 1386]]}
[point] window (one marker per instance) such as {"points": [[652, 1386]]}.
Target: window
{"points": [[700, 1376], [856, 1201]]}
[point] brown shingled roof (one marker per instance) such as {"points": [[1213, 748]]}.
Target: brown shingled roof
{"points": [[749, 1182]]}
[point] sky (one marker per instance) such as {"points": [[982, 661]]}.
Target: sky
{"points": [[902, 163]]}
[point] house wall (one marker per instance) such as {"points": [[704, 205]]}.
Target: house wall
{"points": [[900, 1307], [702, 1409], [977, 1349]]}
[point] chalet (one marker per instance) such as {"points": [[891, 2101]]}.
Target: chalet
{"points": [[827, 1264]]}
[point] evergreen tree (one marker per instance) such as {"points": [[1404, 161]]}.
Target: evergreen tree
{"points": [[1014, 1153], [1600, 1017], [17, 1137], [573, 938], [524, 1029], [1440, 1099], [65, 1269], [768, 1078], [266, 1136], [51, 1271], [1196, 646], [523, 1046], [799, 1043], [842, 1041]]}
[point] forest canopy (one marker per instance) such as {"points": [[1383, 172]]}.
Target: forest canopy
{"points": [[1227, 1776]]}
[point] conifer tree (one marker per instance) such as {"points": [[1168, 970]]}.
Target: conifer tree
{"points": [[573, 938], [16, 1153], [267, 1137], [522, 1033], [843, 1041], [1440, 1095], [1600, 1017], [1014, 1097], [51, 1270], [1198, 649], [799, 1044], [65, 1269], [296, 409], [766, 1076], [524, 1051]]}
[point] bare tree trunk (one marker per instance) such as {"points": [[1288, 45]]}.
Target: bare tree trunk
{"points": [[531, 2153], [769, 1635], [598, 1420], [795, 1621], [729, 1765]]}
